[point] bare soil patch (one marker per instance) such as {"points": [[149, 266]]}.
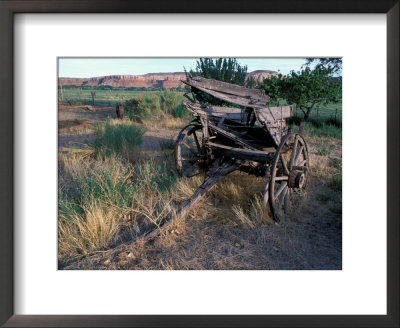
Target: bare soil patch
{"points": [[72, 125]]}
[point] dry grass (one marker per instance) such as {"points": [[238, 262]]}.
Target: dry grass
{"points": [[238, 200], [165, 121], [112, 201], [96, 228], [105, 201], [256, 215]]}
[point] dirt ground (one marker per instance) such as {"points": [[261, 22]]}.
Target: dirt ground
{"points": [[311, 239], [79, 133]]}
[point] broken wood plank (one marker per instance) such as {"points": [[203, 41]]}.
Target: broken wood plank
{"points": [[228, 88], [252, 103]]}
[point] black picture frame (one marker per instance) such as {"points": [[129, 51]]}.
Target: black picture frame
{"points": [[10, 7]]}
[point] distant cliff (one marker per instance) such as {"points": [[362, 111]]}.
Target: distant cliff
{"points": [[150, 80], [261, 74]]}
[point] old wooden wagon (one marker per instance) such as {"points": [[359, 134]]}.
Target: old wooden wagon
{"points": [[241, 134]]}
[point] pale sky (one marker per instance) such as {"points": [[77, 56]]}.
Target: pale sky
{"points": [[91, 67]]}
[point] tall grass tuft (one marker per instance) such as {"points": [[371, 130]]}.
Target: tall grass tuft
{"points": [[117, 138], [100, 199], [255, 215]]}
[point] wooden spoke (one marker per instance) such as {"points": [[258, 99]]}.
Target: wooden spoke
{"points": [[284, 165], [294, 150], [298, 154], [280, 189], [265, 197], [281, 178], [302, 163]]}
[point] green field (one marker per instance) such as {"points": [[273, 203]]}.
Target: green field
{"points": [[106, 98], [320, 112], [324, 112]]}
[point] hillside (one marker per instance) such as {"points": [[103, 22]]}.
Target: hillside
{"points": [[150, 80]]}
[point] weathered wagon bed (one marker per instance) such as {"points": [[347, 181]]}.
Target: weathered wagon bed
{"points": [[245, 135]]}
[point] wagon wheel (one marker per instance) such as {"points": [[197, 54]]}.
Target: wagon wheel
{"points": [[190, 156], [288, 175]]}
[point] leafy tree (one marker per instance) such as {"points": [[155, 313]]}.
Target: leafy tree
{"points": [[221, 69], [306, 88], [311, 87], [273, 87], [332, 65]]}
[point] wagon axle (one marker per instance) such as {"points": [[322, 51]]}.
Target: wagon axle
{"points": [[296, 179]]}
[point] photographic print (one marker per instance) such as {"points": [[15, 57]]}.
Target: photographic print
{"points": [[199, 163]]}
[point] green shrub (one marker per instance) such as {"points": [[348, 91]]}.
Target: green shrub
{"points": [[117, 138], [143, 107], [130, 108], [169, 100], [180, 111]]}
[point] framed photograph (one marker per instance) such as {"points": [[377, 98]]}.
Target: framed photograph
{"points": [[199, 165]]}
